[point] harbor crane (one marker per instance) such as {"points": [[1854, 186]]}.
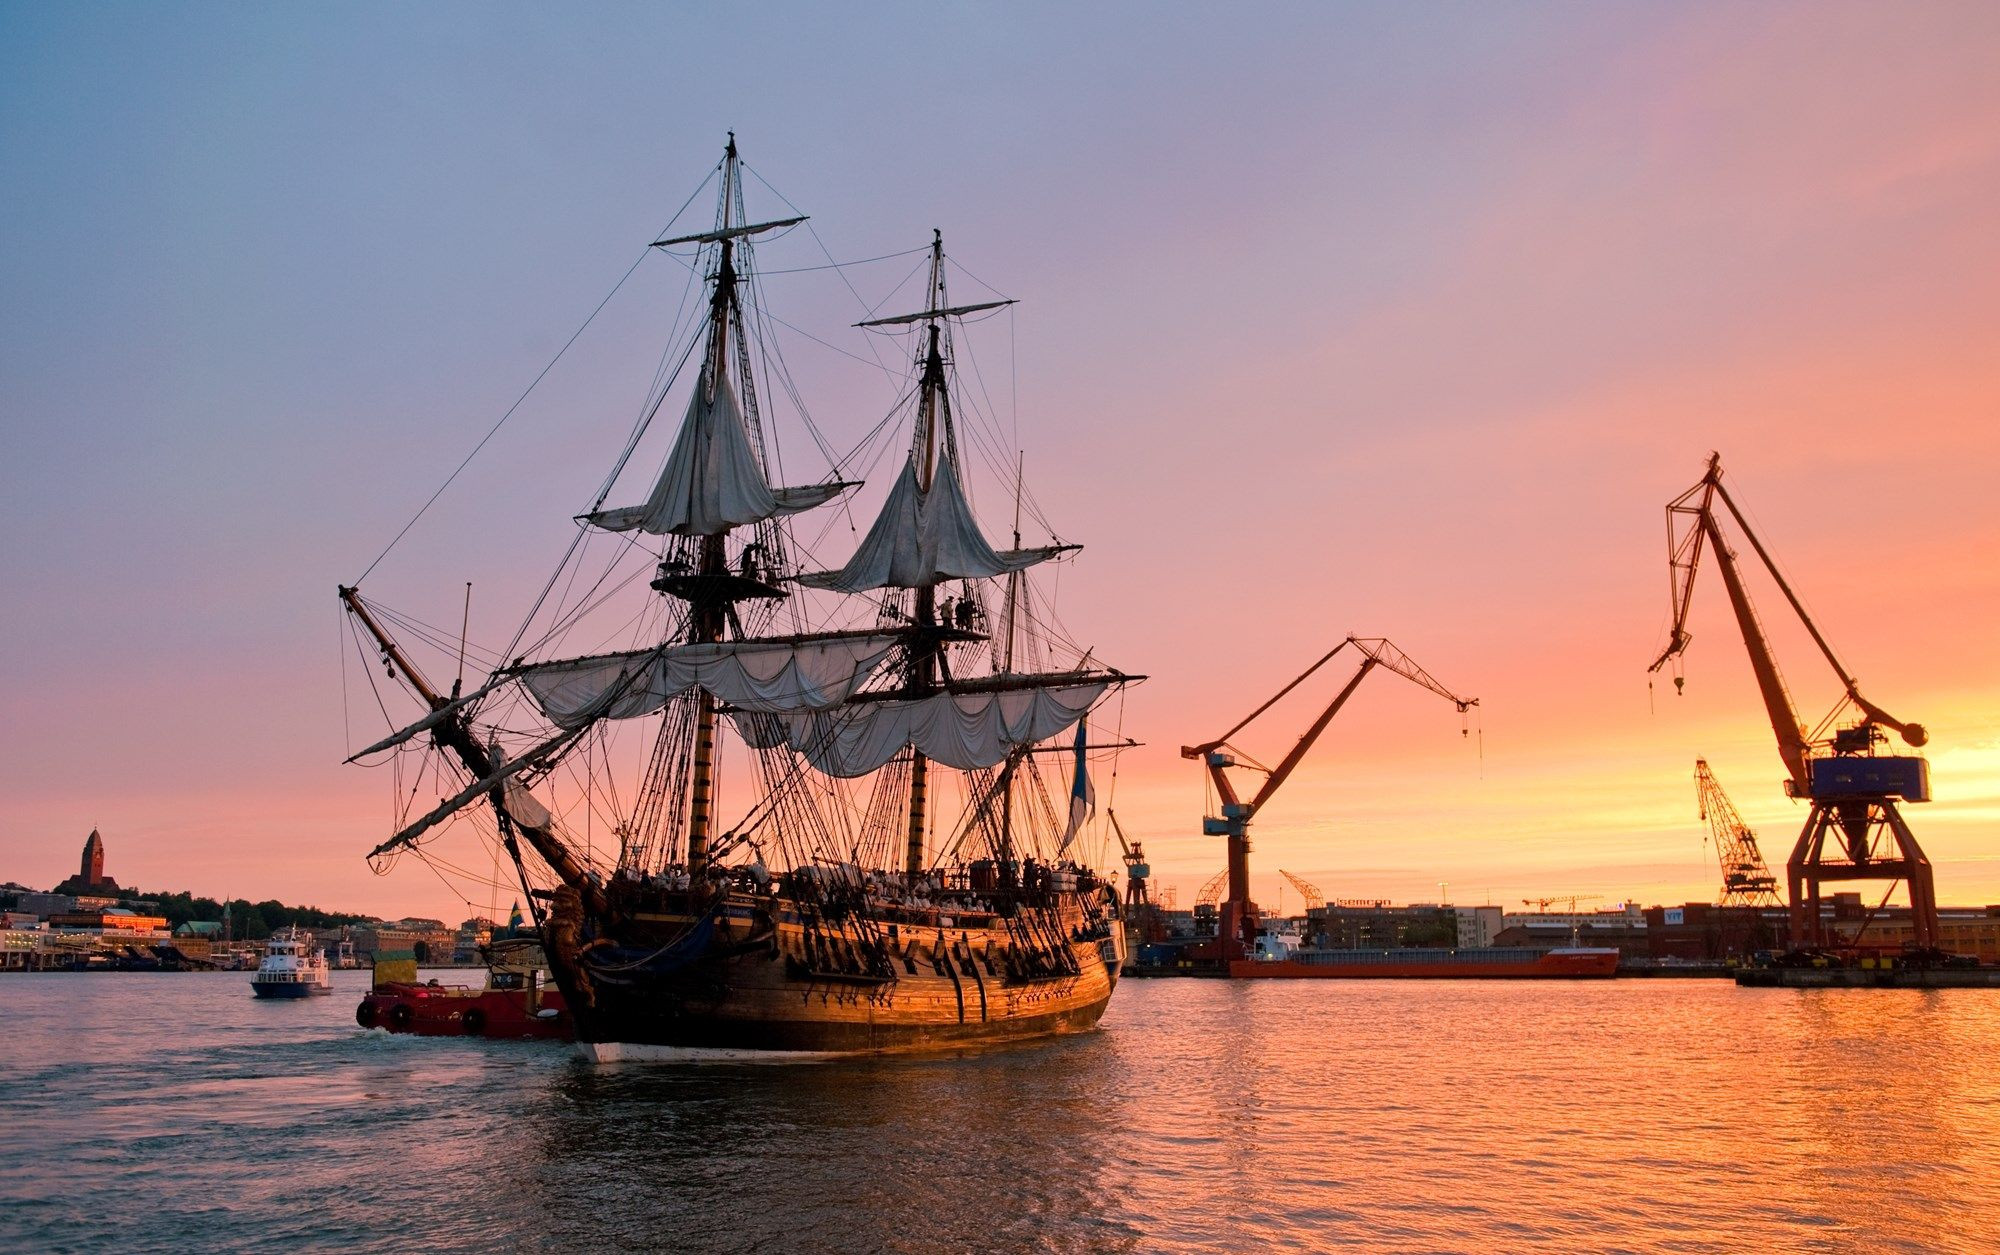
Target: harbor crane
{"points": [[1238, 924], [1211, 889], [1851, 787], [1137, 871], [1746, 881], [1315, 900], [1142, 915], [1569, 903]]}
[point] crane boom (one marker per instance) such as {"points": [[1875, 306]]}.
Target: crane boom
{"points": [[1315, 900], [1211, 889], [1692, 523], [1240, 913]]}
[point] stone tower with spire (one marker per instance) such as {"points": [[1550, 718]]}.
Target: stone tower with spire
{"points": [[92, 873]]}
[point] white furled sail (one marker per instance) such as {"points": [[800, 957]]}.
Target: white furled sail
{"points": [[499, 775], [449, 710], [963, 730], [921, 539], [712, 481], [781, 676], [523, 807]]}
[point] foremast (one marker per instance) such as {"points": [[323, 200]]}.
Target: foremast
{"points": [[452, 733], [714, 482]]}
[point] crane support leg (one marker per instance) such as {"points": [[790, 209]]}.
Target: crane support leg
{"points": [[1856, 826]]}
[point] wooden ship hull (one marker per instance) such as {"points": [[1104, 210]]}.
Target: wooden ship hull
{"points": [[765, 977]]}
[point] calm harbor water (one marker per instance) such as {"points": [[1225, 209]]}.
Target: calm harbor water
{"points": [[161, 1112]]}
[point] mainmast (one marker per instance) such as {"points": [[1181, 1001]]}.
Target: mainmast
{"points": [[925, 535], [706, 613], [926, 647]]}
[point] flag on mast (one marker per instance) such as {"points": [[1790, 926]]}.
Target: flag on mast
{"points": [[1082, 797]]}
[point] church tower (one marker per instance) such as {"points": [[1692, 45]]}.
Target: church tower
{"points": [[92, 874]]}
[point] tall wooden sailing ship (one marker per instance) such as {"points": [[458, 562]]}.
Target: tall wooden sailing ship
{"points": [[904, 874]]}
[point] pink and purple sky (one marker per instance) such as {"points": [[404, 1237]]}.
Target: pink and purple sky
{"points": [[1398, 320]]}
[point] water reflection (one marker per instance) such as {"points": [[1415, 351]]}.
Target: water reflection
{"points": [[1004, 1150], [1205, 1116]]}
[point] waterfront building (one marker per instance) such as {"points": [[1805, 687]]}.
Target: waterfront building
{"points": [[1623, 915], [112, 924], [1363, 924], [1478, 925], [473, 935], [44, 905], [197, 938], [428, 939], [1614, 929], [1702, 930]]}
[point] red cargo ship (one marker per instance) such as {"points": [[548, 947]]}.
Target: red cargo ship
{"points": [[1568, 963]]}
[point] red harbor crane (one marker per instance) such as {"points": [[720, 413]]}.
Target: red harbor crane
{"points": [[1746, 881], [1211, 890], [1238, 923], [1851, 786]]}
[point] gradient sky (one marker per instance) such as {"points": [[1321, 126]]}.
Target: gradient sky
{"points": [[1402, 320]]}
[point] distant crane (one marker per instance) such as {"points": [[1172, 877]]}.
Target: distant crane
{"points": [[1204, 904], [1315, 900], [1143, 922], [1568, 904], [1238, 925], [1137, 872], [1853, 790], [1211, 889], [1746, 881]]}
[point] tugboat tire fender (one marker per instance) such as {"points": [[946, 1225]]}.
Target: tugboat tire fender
{"points": [[400, 1016], [473, 1022], [364, 1015]]}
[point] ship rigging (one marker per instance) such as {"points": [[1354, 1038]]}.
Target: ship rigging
{"points": [[851, 692]]}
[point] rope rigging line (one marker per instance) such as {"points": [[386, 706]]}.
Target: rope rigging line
{"points": [[449, 479], [828, 254], [840, 265]]}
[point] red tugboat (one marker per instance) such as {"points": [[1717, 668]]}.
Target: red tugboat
{"points": [[517, 1001]]}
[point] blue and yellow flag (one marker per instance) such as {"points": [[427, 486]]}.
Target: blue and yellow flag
{"points": [[1082, 797]]}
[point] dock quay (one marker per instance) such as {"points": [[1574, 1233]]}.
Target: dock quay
{"points": [[1869, 977]]}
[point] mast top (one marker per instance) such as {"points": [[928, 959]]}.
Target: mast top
{"points": [[935, 297]]}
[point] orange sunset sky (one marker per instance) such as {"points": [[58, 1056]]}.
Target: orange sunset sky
{"points": [[1393, 320]]}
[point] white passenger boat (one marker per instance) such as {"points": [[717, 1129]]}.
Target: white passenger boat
{"points": [[289, 970]]}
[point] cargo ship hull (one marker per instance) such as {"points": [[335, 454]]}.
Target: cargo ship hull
{"points": [[1575, 963]]}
